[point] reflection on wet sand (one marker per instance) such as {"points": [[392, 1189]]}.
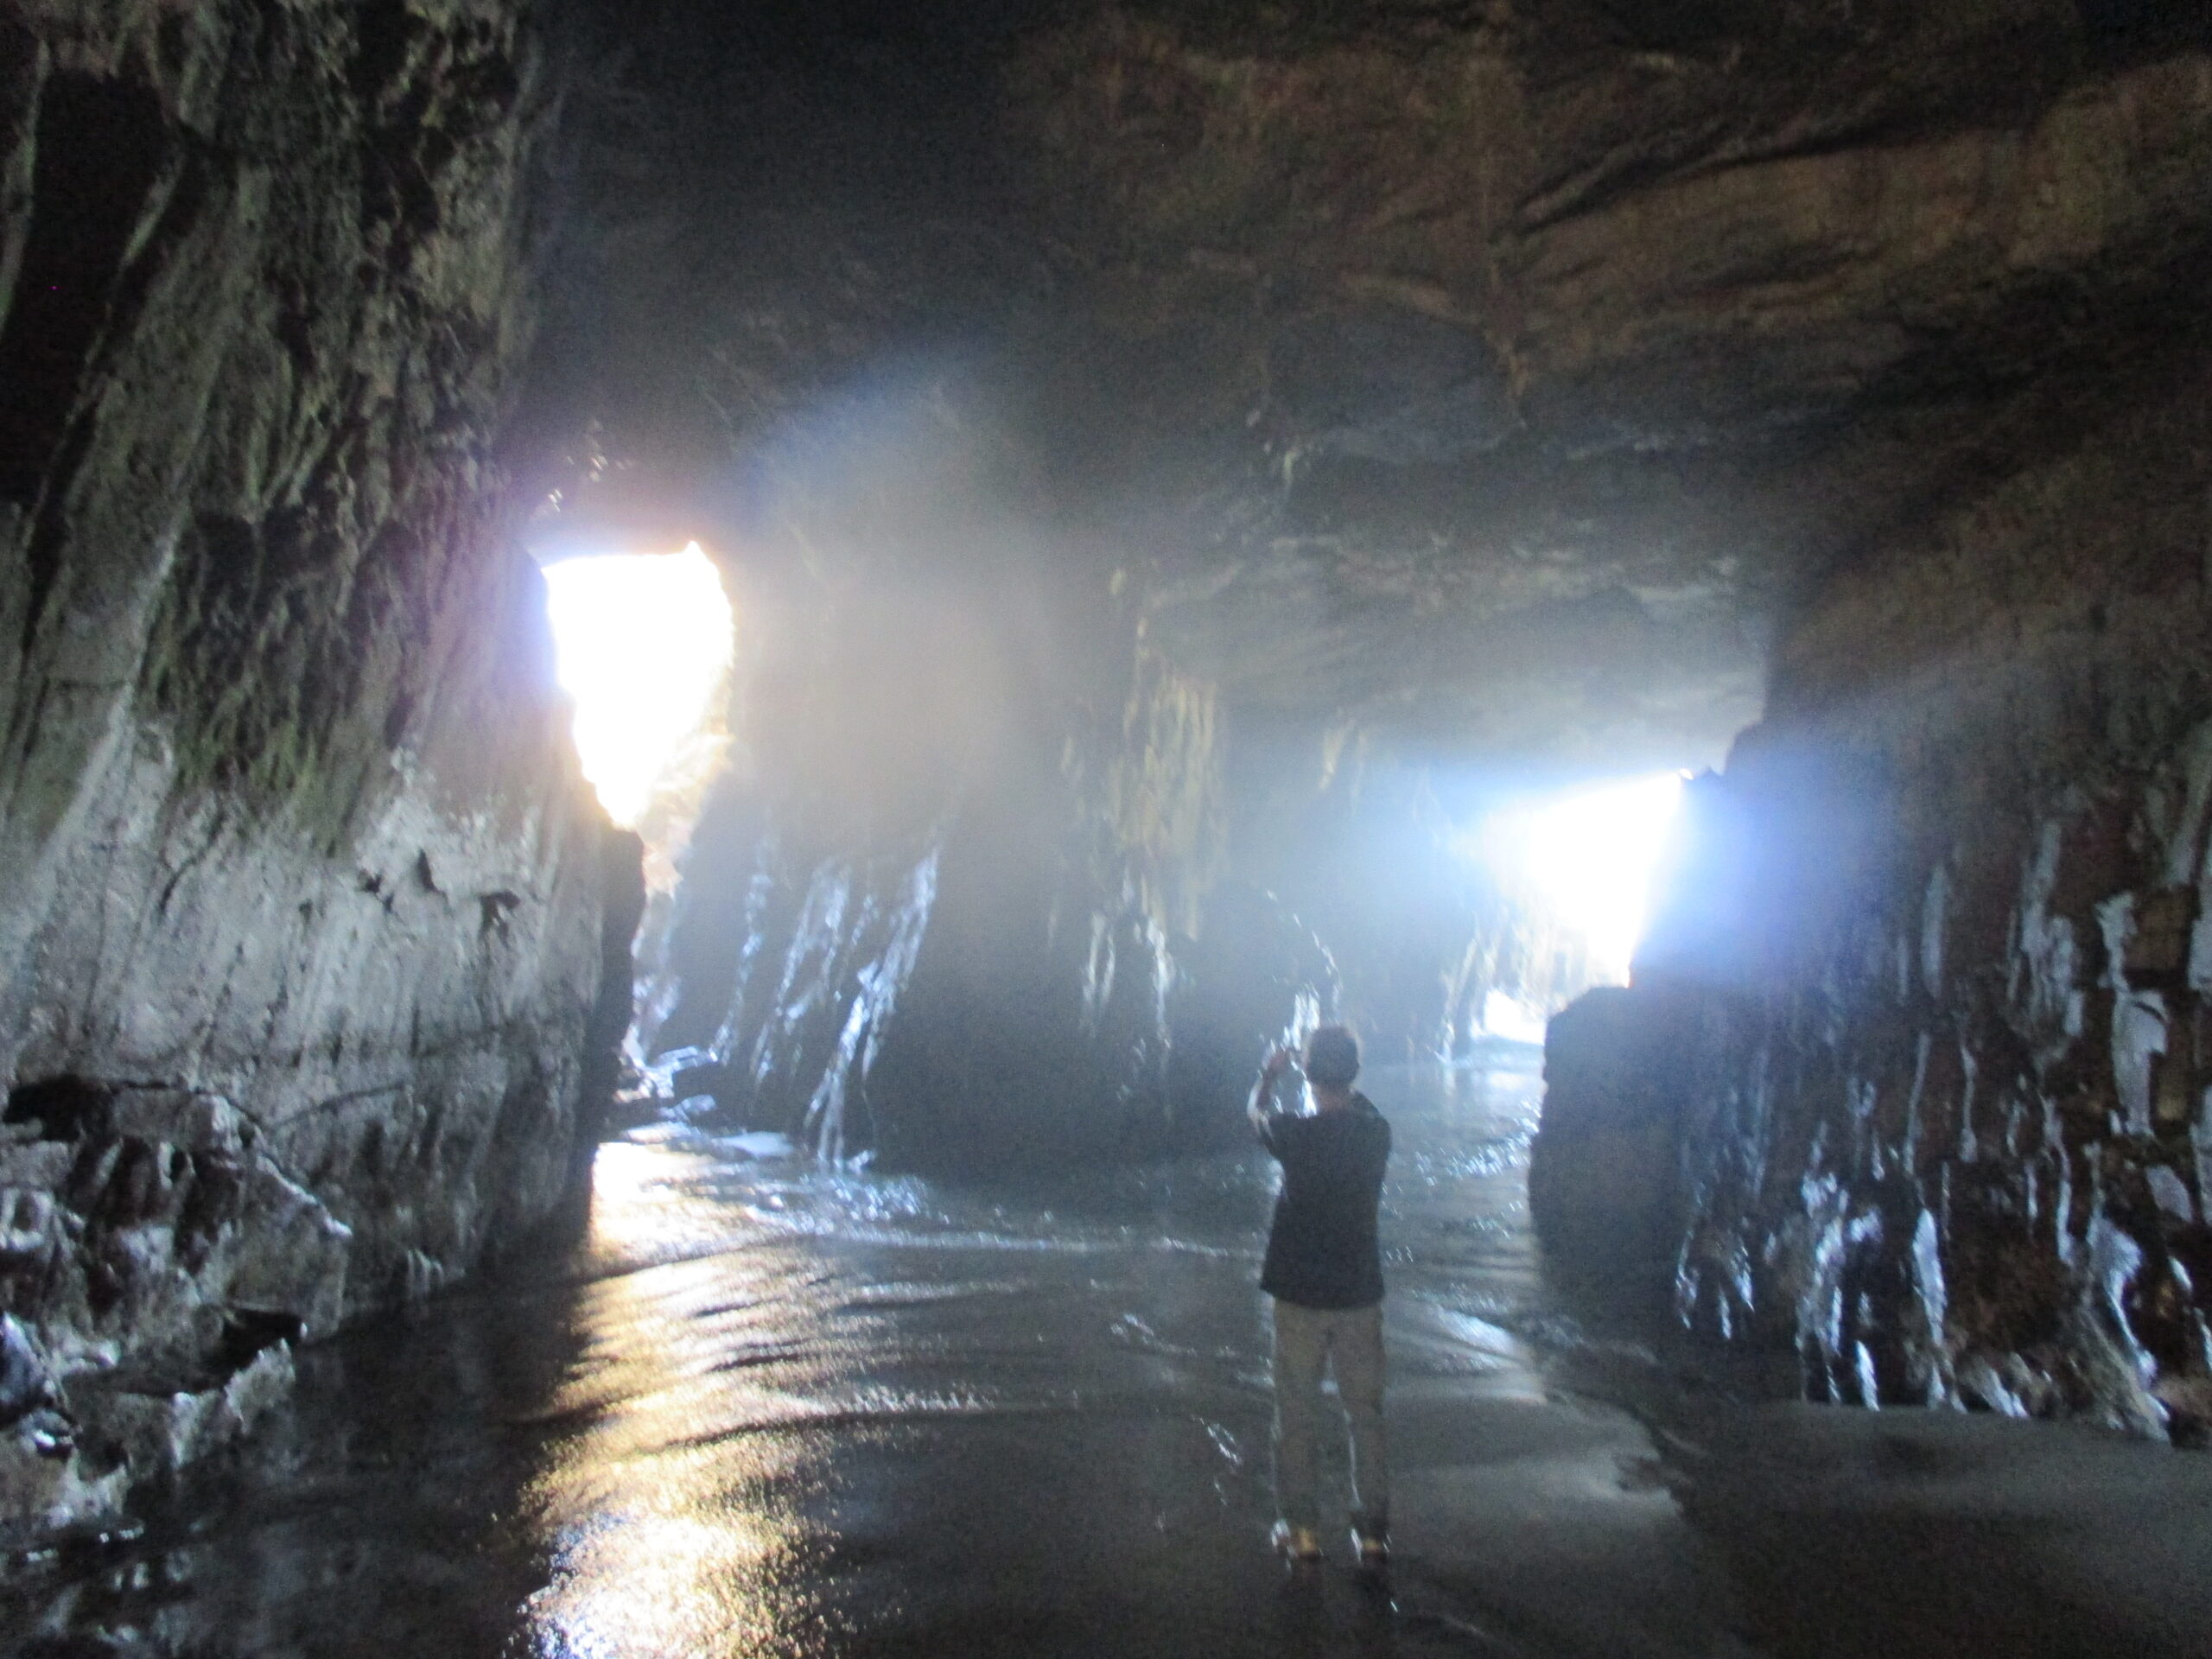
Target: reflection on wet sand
{"points": [[766, 1408]]}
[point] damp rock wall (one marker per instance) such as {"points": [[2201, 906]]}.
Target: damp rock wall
{"points": [[1926, 1006], [957, 902], [301, 896]]}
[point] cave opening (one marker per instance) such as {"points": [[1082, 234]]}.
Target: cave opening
{"points": [[1583, 860], [643, 644]]}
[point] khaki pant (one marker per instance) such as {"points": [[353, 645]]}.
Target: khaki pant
{"points": [[1348, 1341]]}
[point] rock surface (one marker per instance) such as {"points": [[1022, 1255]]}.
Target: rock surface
{"points": [[302, 920], [1947, 1133]]}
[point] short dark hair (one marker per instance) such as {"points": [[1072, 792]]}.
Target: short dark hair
{"points": [[1331, 1056]]}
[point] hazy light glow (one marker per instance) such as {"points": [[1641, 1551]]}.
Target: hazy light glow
{"points": [[1589, 857], [642, 643], [1511, 1017]]}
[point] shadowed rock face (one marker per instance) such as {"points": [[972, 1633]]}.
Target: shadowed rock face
{"points": [[1945, 1130], [301, 916]]}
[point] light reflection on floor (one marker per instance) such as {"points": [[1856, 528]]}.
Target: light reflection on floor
{"points": [[657, 1548], [750, 1321]]}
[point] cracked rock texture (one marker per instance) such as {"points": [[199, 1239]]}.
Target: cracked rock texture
{"points": [[301, 916]]}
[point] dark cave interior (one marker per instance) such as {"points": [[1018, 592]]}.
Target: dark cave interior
{"points": [[1178, 472]]}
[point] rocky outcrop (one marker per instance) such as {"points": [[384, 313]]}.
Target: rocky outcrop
{"points": [[1947, 1133], [1601, 1191], [1930, 975], [301, 913]]}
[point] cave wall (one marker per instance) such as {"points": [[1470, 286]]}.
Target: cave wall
{"points": [[302, 918], [959, 899], [1947, 1132]]}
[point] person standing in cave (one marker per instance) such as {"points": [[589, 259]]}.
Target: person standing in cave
{"points": [[1324, 1272]]}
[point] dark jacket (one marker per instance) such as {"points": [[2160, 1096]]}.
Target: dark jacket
{"points": [[1322, 1250]]}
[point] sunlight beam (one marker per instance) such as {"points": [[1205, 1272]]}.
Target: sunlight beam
{"points": [[643, 645], [1588, 858]]}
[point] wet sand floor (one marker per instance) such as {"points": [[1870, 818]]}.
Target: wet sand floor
{"points": [[770, 1410]]}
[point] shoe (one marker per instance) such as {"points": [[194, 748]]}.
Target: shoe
{"points": [[1372, 1548], [1301, 1544]]}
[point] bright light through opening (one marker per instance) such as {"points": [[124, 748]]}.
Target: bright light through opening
{"points": [[642, 644], [1590, 858]]}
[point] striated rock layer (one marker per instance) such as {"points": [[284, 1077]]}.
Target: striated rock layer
{"points": [[300, 891], [1940, 954]]}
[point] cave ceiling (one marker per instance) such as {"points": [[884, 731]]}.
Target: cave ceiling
{"points": [[1486, 374]]}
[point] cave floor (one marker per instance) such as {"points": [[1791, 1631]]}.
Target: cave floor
{"points": [[764, 1409]]}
